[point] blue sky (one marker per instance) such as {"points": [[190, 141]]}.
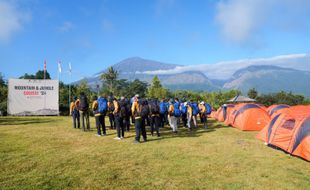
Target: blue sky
{"points": [[95, 34]]}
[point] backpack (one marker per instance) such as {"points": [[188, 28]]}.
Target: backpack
{"points": [[208, 109], [144, 110], [177, 111], [183, 109], [195, 108], [111, 107], [123, 109], [102, 105], [83, 103], [162, 108], [154, 108]]}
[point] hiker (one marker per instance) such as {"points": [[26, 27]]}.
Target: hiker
{"points": [[84, 111], [131, 102], [174, 112], [224, 111], [126, 119], [74, 112], [189, 114], [100, 107], [184, 113], [139, 111], [203, 114], [118, 117], [110, 112], [163, 112], [155, 118], [195, 113]]}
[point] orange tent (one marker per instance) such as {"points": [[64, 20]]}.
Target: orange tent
{"points": [[290, 131], [232, 112], [277, 109], [220, 112], [250, 117]]}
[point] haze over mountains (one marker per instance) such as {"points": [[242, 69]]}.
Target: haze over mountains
{"points": [[287, 73]]}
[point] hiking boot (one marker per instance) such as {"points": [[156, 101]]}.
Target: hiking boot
{"points": [[117, 138], [136, 142], [98, 135]]}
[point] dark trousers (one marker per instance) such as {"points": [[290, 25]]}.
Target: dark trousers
{"points": [[85, 118], [184, 119], [76, 119], [162, 120], [119, 126], [126, 121], [112, 120], [155, 125], [100, 124], [140, 129], [203, 119]]}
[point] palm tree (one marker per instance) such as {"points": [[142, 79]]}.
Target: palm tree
{"points": [[110, 77]]}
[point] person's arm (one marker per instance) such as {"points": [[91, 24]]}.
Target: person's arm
{"points": [[71, 107], [116, 107]]}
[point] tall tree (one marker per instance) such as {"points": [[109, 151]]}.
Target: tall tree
{"points": [[3, 94], [39, 75], [110, 78], [156, 90]]}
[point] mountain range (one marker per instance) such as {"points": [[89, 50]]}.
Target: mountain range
{"points": [[264, 75]]}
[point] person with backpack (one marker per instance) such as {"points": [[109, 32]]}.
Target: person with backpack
{"points": [[195, 113], [139, 110], [155, 118], [84, 111], [118, 117], [126, 120], [74, 112], [100, 107], [203, 114], [162, 112], [184, 113], [110, 112], [174, 113], [189, 114]]}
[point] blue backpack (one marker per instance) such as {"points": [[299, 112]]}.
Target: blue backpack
{"points": [[195, 108], [208, 109], [183, 109], [102, 105], [162, 108], [177, 111]]}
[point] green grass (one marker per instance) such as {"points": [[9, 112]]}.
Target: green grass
{"points": [[47, 153]]}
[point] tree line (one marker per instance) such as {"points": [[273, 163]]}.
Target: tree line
{"points": [[112, 85]]}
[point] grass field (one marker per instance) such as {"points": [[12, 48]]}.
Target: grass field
{"points": [[47, 153]]}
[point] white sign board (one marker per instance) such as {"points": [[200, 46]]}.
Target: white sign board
{"points": [[33, 97]]}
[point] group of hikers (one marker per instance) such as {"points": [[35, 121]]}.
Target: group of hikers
{"points": [[141, 112]]}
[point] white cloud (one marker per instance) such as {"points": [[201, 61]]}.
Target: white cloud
{"points": [[243, 22], [66, 26], [224, 70], [11, 19], [239, 19]]}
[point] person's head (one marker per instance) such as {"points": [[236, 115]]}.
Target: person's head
{"points": [[185, 104], [122, 98], [202, 103], [74, 98], [176, 99], [82, 94]]}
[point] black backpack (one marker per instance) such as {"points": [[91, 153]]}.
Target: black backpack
{"points": [[83, 103], [111, 107], [154, 108], [144, 110], [123, 109]]}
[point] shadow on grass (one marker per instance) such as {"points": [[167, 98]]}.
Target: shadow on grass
{"points": [[24, 120]]}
